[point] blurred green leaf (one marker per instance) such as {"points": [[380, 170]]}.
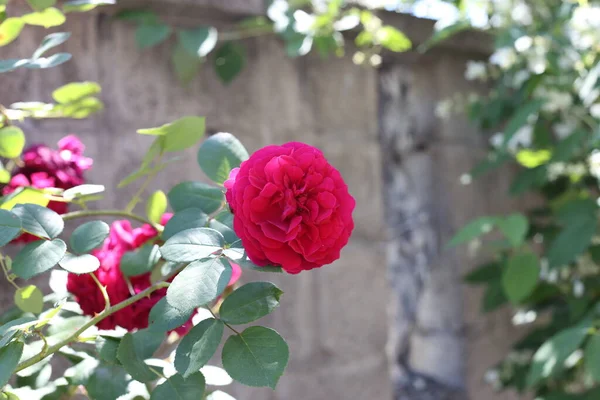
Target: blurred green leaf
{"points": [[9, 359], [30, 299], [12, 142], [444, 34], [186, 66], [520, 276], [392, 39], [149, 35], [198, 42], [514, 227], [229, 60], [10, 226], [473, 230], [47, 18], [180, 134], [39, 5], [156, 206], [75, 91], [50, 41], [219, 154], [10, 29]]}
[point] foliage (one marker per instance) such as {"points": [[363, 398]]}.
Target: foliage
{"points": [[303, 26], [544, 102]]}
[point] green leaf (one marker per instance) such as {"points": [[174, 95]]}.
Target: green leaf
{"points": [[528, 179], [146, 342], [10, 329], [82, 264], [50, 41], [592, 357], [533, 158], [577, 210], [10, 227], [514, 227], [156, 207], [297, 45], [198, 284], [108, 382], [520, 276], [198, 346], [198, 42], [9, 396], [493, 298], [25, 195], [196, 195], [519, 119], [192, 244], [138, 16], [149, 35], [186, 66], [38, 257], [47, 18], [250, 302], [179, 135], [12, 141], [80, 373], [392, 39], [107, 348], [257, 357], [229, 60], [52, 61], [30, 299], [83, 191], [178, 388], [141, 261], [89, 236], [9, 359], [186, 219], [219, 154], [549, 359], [472, 230], [571, 242], [12, 64], [444, 34], [484, 274], [75, 91], [39, 5], [132, 361], [4, 176], [39, 221], [164, 317], [85, 5], [10, 30]]}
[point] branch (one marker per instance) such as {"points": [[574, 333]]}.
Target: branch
{"points": [[110, 213], [89, 324]]}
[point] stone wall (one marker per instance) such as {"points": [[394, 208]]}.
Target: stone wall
{"points": [[335, 318]]}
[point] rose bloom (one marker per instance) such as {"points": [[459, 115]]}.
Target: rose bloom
{"points": [[122, 238], [291, 207], [44, 167]]}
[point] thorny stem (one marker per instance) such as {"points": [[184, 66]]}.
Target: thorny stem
{"points": [[94, 321], [103, 291]]}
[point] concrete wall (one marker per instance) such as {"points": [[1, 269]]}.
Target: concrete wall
{"points": [[335, 318]]}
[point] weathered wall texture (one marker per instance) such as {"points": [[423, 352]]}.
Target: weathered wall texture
{"points": [[336, 318]]}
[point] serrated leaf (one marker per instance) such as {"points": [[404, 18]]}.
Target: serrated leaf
{"points": [[520, 276], [250, 302], [219, 154], [186, 219], [82, 264], [107, 348], [89, 236], [38, 257], [47, 18], [10, 227], [178, 388], [9, 359], [30, 299], [108, 382], [198, 284], [196, 195], [39, 221], [12, 141], [198, 346], [229, 60], [192, 244], [140, 261], [156, 206], [257, 357], [132, 362], [164, 317]]}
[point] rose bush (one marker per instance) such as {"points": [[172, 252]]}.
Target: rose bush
{"points": [[291, 207]]}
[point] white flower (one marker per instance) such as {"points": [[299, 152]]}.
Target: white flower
{"points": [[578, 288], [521, 13], [564, 129], [475, 70], [523, 43], [504, 57], [304, 22], [520, 78], [523, 317], [555, 100], [595, 110], [443, 109], [556, 170], [594, 163]]}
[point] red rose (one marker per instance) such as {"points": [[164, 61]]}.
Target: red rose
{"points": [[291, 207], [122, 238], [44, 167]]}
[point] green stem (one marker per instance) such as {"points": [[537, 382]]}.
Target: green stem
{"points": [[110, 213], [94, 321], [226, 324]]}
